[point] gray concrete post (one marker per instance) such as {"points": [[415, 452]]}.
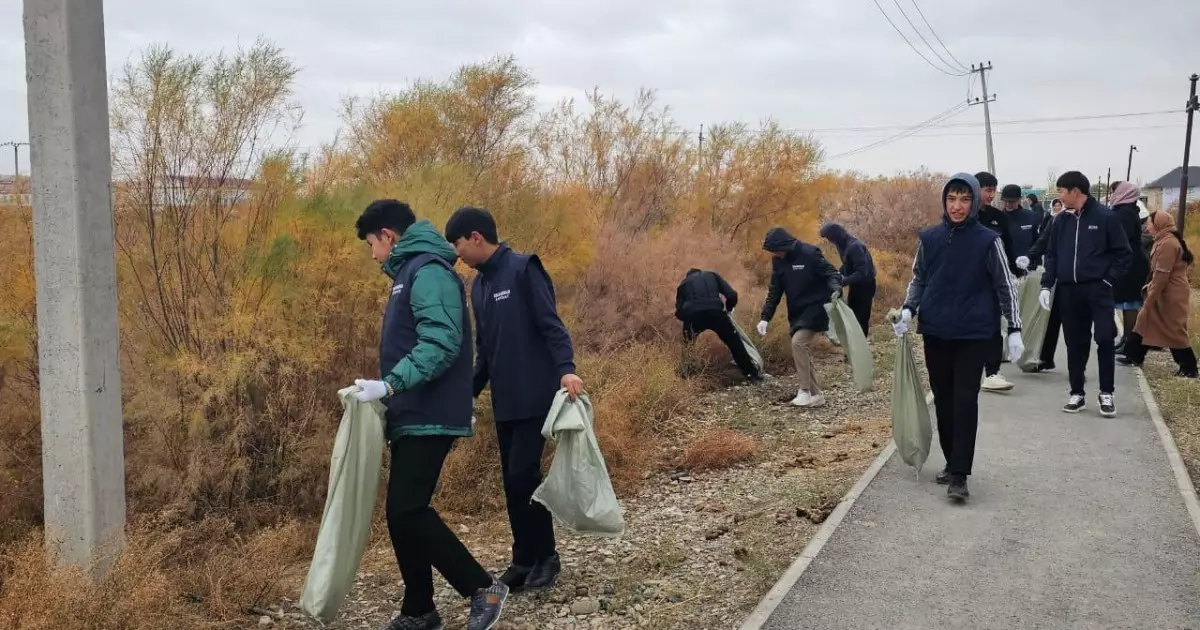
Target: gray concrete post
{"points": [[80, 380]]}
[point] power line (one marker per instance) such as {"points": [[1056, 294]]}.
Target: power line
{"points": [[937, 118], [1038, 132], [918, 32], [979, 124], [914, 48], [961, 65]]}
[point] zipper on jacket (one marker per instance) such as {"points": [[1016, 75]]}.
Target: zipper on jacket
{"points": [[1075, 262]]}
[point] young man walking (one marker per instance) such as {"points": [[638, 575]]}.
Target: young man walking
{"points": [[704, 301], [1023, 226], [996, 219], [1036, 256], [425, 359], [961, 285], [800, 273], [1086, 254], [858, 272], [525, 352]]}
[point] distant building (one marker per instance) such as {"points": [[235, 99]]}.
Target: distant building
{"points": [[186, 190], [1163, 192], [14, 191]]}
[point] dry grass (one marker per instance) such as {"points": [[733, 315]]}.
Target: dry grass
{"points": [[719, 448]]}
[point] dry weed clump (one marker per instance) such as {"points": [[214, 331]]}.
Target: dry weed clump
{"points": [[719, 448]]}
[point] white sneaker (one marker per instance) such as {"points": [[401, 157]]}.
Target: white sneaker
{"points": [[996, 383], [802, 399], [816, 401]]}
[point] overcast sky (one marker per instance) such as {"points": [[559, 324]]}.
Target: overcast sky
{"points": [[807, 63]]}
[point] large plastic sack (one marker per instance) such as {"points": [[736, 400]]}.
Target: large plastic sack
{"points": [[577, 490], [844, 327], [912, 429], [346, 523], [755, 356], [1035, 320]]}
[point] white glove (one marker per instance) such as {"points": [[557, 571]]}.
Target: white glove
{"points": [[1044, 299], [370, 391], [1015, 347], [762, 328], [900, 327], [1023, 263]]}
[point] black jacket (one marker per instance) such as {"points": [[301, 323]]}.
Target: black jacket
{"points": [[858, 268], [1038, 251], [997, 219], [1129, 288], [1023, 226], [805, 277], [1086, 246], [701, 292]]}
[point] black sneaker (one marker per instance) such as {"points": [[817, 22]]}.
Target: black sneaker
{"points": [[958, 488], [428, 621], [1045, 367], [1075, 404], [1126, 361], [942, 478], [1182, 374], [486, 605], [544, 573], [1107, 409], [754, 379], [514, 577]]}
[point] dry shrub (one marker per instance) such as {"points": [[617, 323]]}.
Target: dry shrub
{"points": [[719, 448], [886, 213], [470, 481]]}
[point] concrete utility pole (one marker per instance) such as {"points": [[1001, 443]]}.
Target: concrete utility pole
{"points": [[987, 114], [82, 459], [1129, 167], [1192, 106]]}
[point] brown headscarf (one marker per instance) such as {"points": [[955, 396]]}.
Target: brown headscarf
{"points": [[1163, 224]]}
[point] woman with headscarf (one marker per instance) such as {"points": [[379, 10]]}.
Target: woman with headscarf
{"points": [[1164, 318], [1127, 295]]}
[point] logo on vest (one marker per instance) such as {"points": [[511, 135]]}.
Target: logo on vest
{"points": [[501, 295], [1026, 227], [797, 267], [1093, 227], [399, 288]]}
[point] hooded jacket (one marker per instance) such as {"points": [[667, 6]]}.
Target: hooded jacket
{"points": [[425, 345], [962, 282], [1086, 246], [523, 347], [858, 268], [805, 277], [701, 292]]}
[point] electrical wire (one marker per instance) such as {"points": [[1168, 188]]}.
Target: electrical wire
{"points": [[926, 41], [914, 48], [930, 122], [961, 65]]}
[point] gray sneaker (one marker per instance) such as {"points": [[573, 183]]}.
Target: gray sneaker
{"points": [[486, 605], [428, 621]]}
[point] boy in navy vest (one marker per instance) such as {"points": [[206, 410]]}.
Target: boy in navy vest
{"points": [[525, 351], [961, 285], [996, 219], [800, 273], [425, 359], [1087, 252]]}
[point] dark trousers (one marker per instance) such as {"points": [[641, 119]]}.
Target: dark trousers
{"points": [[953, 367], [1050, 341], [860, 300], [1087, 309], [521, 445], [1184, 357], [420, 539], [993, 355], [720, 323]]}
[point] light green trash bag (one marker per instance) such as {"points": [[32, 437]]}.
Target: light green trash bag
{"points": [[1034, 319], [755, 356], [843, 327], [911, 427], [577, 490], [346, 523]]}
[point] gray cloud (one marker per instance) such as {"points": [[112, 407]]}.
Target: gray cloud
{"points": [[806, 63]]}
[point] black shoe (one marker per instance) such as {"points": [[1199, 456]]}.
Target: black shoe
{"points": [[544, 573], [1075, 404], [1182, 374], [1107, 408], [942, 478], [1045, 367], [958, 488], [486, 605], [1124, 360], [754, 379], [514, 577], [428, 621]]}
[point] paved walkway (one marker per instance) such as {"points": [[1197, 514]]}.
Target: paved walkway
{"points": [[1075, 521]]}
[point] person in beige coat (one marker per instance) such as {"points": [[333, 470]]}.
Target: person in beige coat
{"points": [[1163, 320]]}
